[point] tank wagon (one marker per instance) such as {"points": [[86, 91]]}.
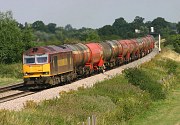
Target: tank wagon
{"points": [[51, 65]]}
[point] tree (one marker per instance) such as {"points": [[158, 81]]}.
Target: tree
{"points": [[43, 36], [93, 36], [87, 34], [121, 27], [39, 26], [12, 41], [148, 25], [161, 26], [11, 45], [138, 22], [51, 27], [60, 33], [106, 30], [107, 33], [177, 43], [27, 37], [178, 27], [68, 27], [20, 25]]}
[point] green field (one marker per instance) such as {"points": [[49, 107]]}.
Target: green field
{"points": [[148, 96]]}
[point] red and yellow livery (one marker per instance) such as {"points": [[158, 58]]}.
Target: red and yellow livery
{"points": [[57, 64]]}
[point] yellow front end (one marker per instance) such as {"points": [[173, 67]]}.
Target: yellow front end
{"points": [[38, 70]]}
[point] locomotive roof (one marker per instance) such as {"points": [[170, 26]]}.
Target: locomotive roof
{"points": [[47, 50]]}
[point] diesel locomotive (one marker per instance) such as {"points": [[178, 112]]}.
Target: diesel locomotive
{"points": [[51, 65]]}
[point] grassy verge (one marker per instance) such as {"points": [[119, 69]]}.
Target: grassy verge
{"points": [[6, 81], [10, 73], [111, 101], [166, 112], [117, 101]]}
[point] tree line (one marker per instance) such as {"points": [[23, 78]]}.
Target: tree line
{"points": [[16, 37], [119, 29]]}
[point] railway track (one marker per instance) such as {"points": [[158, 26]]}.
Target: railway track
{"points": [[13, 96], [12, 92], [10, 87]]}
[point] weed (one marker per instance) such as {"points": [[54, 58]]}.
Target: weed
{"points": [[30, 104]]}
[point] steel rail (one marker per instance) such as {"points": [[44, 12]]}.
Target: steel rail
{"points": [[10, 87], [15, 96]]}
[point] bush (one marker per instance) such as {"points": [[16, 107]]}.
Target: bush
{"points": [[171, 66], [11, 70], [145, 81], [175, 41]]}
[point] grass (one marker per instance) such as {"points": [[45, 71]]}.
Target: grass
{"points": [[171, 55], [11, 73], [166, 112], [6, 81], [111, 101], [125, 99]]}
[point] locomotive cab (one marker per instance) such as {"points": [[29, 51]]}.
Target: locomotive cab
{"points": [[47, 64], [36, 65]]}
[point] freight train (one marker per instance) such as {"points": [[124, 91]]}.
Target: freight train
{"points": [[51, 65]]}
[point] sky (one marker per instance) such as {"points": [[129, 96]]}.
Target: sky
{"points": [[90, 13]]}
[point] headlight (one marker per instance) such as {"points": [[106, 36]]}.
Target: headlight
{"points": [[25, 74], [46, 73]]}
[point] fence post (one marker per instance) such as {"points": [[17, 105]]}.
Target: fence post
{"points": [[89, 120], [93, 120]]}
